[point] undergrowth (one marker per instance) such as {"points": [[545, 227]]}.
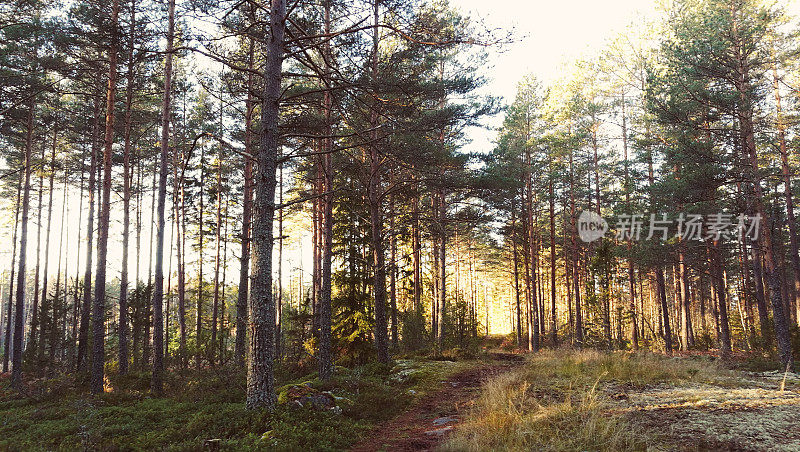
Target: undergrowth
{"points": [[555, 402], [58, 414]]}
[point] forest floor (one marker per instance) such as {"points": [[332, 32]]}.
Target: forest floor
{"points": [[426, 424], [484, 399], [204, 409], [747, 411], [590, 400]]}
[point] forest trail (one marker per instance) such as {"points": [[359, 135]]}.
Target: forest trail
{"points": [[428, 422]]}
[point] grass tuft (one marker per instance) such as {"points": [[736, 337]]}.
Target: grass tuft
{"points": [[556, 402]]}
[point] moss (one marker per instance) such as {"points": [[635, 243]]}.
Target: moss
{"points": [[208, 405]]}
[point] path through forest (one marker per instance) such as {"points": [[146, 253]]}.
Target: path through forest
{"points": [[426, 424]]}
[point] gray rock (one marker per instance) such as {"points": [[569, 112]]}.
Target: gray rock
{"points": [[445, 420], [439, 431]]}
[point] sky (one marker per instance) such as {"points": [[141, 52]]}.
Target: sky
{"points": [[549, 36]]}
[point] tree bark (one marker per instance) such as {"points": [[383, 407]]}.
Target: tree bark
{"points": [[156, 381], [98, 309], [375, 196], [7, 343], [16, 359], [260, 379], [247, 215], [794, 243], [325, 347], [46, 305], [86, 305], [126, 201]]}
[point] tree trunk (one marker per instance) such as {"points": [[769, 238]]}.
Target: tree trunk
{"points": [[86, 306], [126, 201], [260, 380], [794, 245], [516, 271], [46, 305], [661, 288], [442, 270], [718, 280], [218, 252], [325, 347], [574, 243], [375, 196], [247, 215], [7, 343], [553, 318], [156, 381], [748, 144], [685, 306], [16, 359], [98, 309], [34, 326]]}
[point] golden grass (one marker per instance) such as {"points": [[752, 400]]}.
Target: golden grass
{"points": [[554, 402]]}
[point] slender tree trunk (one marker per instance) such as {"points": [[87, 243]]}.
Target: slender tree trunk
{"points": [[46, 305], [86, 305], [146, 306], [76, 295], [574, 243], [393, 271], [11, 293], [718, 280], [442, 309], [325, 349], [126, 200], [55, 334], [247, 215], [16, 359], [794, 242], [217, 255], [516, 271], [553, 318], [685, 306], [661, 288], [416, 253], [376, 221], [180, 225], [34, 326], [156, 382], [98, 309], [631, 271], [260, 379]]}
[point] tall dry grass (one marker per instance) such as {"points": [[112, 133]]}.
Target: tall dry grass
{"points": [[556, 402]]}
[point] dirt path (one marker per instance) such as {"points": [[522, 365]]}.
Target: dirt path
{"points": [[434, 416]]}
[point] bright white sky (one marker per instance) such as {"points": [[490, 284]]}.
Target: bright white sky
{"points": [[551, 34]]}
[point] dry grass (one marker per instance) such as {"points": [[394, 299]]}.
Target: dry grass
{"points": [[555, 401]]}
